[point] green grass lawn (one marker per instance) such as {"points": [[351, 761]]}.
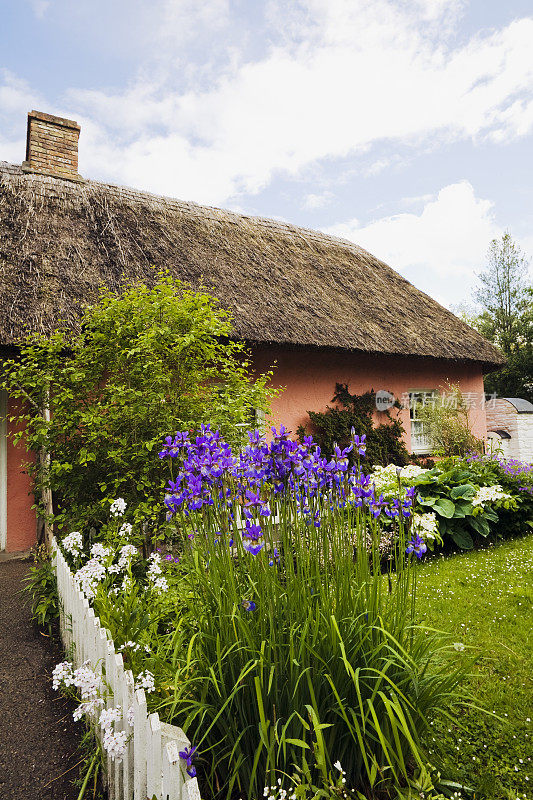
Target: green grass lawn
{"points": [[484, 598]]}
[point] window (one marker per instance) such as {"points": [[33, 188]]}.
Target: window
{"points": [[419, 440]]}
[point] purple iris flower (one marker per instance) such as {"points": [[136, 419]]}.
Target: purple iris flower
{"points": [[188, 755], [417, 546], [254, 549], [252, 531]]}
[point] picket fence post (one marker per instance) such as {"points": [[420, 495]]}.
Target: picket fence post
{"points": [[151, 765]]}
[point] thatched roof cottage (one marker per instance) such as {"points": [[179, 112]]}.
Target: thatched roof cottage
{"points": [[323, 308]]}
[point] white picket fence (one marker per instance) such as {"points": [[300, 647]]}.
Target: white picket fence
{"points": [[151, 766]]}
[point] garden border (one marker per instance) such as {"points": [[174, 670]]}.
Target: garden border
{"points": [[151, 765]]}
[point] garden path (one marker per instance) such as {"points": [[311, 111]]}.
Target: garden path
{"points": [[38, 737]]}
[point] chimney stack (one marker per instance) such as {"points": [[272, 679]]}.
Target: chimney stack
{"points": [[52, 146]]}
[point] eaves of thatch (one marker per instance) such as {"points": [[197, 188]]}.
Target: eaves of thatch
{"points": [[60, 241]]}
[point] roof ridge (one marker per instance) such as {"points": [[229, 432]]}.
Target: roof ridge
{"points": [[191, 205]]}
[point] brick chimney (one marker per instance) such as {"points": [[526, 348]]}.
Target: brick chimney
{"points": [[52, 146]]}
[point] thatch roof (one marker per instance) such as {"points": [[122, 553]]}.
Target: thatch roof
{"points": [[61, 241]]}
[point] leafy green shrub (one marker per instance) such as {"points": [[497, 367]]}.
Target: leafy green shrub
{"points": [[41, 585], [447, 425], [97, 404], [466, 501], [333, 426]]}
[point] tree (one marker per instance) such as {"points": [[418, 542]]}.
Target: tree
{"points": [[504, 295], [98, 404], [506, 319]]}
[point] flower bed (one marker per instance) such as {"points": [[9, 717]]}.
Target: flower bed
{"points": [[464, 501], [274, 634]]}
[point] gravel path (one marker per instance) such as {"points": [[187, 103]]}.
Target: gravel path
{"points": [[38, 737]]}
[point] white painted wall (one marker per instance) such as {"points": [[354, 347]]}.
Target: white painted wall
{"points": [[525, 437]]}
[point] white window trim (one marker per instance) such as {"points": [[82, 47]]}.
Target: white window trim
{"points": [[424, 449], [3, 471]]}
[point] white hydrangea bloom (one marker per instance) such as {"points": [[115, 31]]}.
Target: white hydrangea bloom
{"points": [[489, 494], [118, 507], [427, 525], [73, 543], [411, 471], [385, 479]]}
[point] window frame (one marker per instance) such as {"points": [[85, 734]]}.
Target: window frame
{"points": [[423, 449]]}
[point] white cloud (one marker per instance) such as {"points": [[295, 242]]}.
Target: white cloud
{"points": [[343, 76], [364, 73], [440, 249], [314, 201]]}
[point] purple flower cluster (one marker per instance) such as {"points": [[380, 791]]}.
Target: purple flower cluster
{"points": [[509, 466], [253, 482]]}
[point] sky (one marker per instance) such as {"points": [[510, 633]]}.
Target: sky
{"points": [[405, 126]]}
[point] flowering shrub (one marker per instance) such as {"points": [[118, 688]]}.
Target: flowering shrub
{"points": [[453, 500], [90, 691], [297, 647], [265, 625], [272, 635]]}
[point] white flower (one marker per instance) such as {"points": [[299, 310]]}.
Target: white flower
{"points": [[427, 525], [73, 543], [62, 673], [489, 494], [126, 554], [115, 743], [338, 765], [125, 529], [154, 573], [133, 646], [459, 646], [89, 576], [88, 707], [160, 585], [87, 681], [99, 551], [145, 680], [109, 716], [118, 507]]}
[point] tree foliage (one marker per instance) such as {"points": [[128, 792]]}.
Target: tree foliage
{"points": [[146, 363], [330, 427], [506, 298]]}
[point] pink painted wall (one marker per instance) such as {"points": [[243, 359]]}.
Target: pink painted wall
{"points": [[21, 519], [310, 378]]}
